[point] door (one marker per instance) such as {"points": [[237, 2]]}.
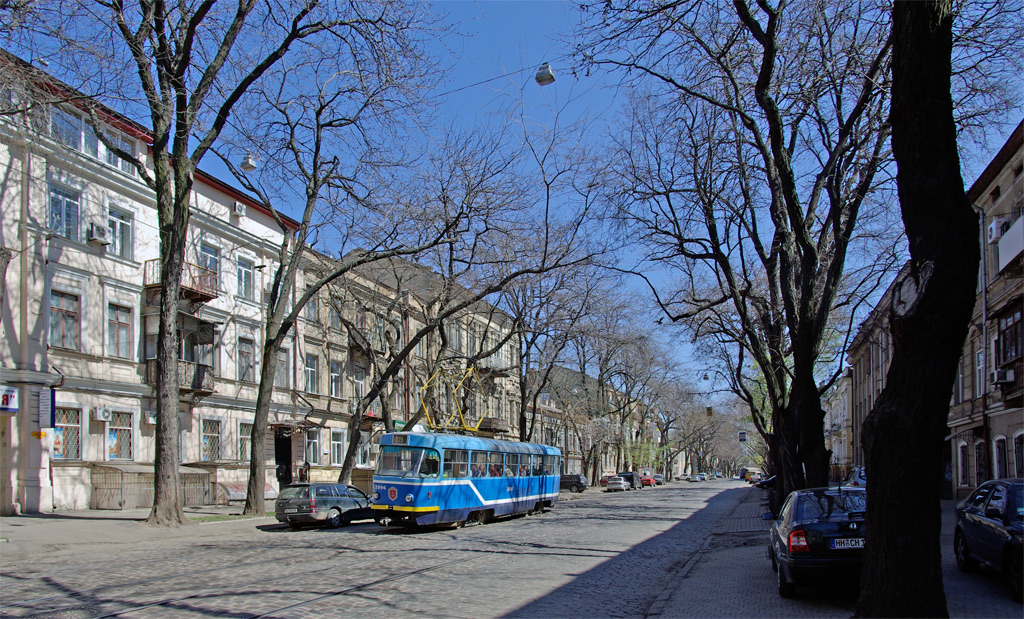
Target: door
{"points": [[283, 455]]}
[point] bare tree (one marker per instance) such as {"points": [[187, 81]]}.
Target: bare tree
{"points": [[185, 67], [929, 317]]}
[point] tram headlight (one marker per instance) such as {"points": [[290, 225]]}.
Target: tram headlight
{"points": [[408, 498], [375, 496]]}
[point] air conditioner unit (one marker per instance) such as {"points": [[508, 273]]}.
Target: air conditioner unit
{"points": [[149, 417], [1002, 377], [99, 234], [238, 209], [101, 414], [995, 229]]}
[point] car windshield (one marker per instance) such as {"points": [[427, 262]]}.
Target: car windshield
{"points": [[1019, 491], [828, 505], [294, 492], [399, 461]]}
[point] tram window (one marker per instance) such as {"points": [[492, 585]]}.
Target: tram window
{"points": [[549, 465], [431, 464], [478, 467], [511, 465], [455, 462], [398, 461], [524, 465], [495, 458]]}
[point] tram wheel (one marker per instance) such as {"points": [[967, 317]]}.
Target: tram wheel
{"points": [[485, 517]]}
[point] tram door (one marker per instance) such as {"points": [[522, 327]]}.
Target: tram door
{"points": [[283, 455]]}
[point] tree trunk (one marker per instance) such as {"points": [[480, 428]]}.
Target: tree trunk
{"points": [[929, 317], [167, 496], [805, 402], [254, 500]]}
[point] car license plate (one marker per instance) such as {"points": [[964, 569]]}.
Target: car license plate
{"points": [[292, 510], [845, 543]]}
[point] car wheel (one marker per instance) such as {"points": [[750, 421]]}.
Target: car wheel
{"points": [[771, 555], [334, 519], [1013, 571], [964, 561], [786, 589]]}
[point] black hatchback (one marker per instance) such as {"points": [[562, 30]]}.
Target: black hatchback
{"points": [[818, 537], [989, 526]]}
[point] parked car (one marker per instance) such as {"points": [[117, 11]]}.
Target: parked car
{"points": [[573, 483], [818, 537], [617, 484], [693, 477], [766, 483], [321, 503], [604, 480], [858, 477], [647, 480], [633, 479], [659, 479], [989, 529]]}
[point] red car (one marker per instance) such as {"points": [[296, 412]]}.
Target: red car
{"points": [[647, 480]]}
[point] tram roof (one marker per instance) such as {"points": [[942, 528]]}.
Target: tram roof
{"points": [[461, 441]]}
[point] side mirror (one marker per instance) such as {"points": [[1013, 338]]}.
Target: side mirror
{"points": [[767, 516]]}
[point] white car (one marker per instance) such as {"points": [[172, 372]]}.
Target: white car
{"points": [[617, 483]]}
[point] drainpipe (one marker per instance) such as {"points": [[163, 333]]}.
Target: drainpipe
{"points": [[984, 339]]}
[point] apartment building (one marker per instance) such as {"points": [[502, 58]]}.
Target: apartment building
{"points": [[986, 419], [837, 403]]}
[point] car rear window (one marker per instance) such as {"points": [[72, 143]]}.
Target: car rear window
{"points": [[828, 505], [1019, 491], [295, 492]]}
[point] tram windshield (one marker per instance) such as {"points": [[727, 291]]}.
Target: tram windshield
{"points": [[408, 462]]}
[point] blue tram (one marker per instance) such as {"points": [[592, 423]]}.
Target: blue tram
{"points": [[428, 479]]}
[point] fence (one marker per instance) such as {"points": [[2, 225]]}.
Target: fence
{"points": [[130, 486]]}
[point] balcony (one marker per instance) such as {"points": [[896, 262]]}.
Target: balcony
{"points": [[194, 378], [198, 284]]}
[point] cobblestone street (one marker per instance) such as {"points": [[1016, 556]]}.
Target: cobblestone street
{"points": [[677, 550]]}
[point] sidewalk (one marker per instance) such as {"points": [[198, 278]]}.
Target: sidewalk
{"points": [[34, 534], [731, 576]]}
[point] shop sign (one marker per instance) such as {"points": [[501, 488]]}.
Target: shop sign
{"points": [[8, 399]]}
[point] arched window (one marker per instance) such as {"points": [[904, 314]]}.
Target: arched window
{"points": [[965, 476], [980, 463], [1000, 458]]}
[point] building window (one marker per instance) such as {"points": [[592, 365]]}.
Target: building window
{"points": [[64, 327], [120, 225], [68, 129], [119, 437], [211, 440], [1000, 460], [1008, 344], [67, 434], [359, 382], [312, 373], [958, 383], [209, 258], [246, 360], [64, 212], [311, 310], [245, 271], [114, 160], [244, 441], [1018, 455], [337, 447], [965, 476], [336, 372], [313, 446], [363, 457], [282, 372], [979, 373], [335, 318], [980, 464], [119, 329]]}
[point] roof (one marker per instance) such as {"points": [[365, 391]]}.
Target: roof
{"points": [[992, 170]]}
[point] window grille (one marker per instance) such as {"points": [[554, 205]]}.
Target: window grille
{"points": [[119, 329], [119, 436], [67, 434], [64, 320], [980, 464], [244, 441], [211, 439]]}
